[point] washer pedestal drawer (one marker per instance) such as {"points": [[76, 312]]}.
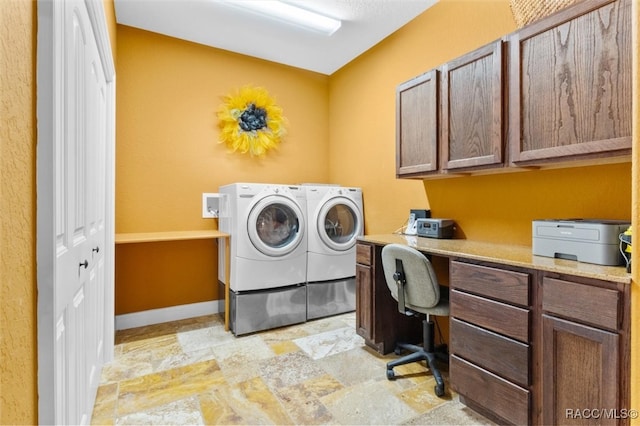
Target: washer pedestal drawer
{"points": [[263, 310], [326, 298]]}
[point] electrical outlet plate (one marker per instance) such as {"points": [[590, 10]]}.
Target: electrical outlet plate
{"points": [[210, 205]]}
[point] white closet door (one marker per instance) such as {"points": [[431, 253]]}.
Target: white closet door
{"points": [[80, 232], [73, 300]]}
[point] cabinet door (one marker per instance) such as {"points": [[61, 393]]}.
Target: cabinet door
{"points": [[570, 84], [579, 372], [364, 302], [471, 124], [417, 125]]}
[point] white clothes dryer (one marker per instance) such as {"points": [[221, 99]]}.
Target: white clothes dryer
{"points": [[336, 220], [268, 244]]}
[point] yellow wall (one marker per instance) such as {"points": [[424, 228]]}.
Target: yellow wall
{"points": [[500, 208], [167, 155], [18, 357]]}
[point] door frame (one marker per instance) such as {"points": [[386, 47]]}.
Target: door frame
{"points": [[49, 82]]}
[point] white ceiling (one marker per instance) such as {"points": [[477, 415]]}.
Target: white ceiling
{"points": [[210, 22]]}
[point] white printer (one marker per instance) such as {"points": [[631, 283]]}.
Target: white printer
{"points": [[585, 240]]}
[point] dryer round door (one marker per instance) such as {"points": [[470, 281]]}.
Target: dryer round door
{"points": [[339, 223], [276, 225]]}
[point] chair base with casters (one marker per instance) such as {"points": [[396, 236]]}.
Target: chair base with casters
{"points": [[427, 352]]}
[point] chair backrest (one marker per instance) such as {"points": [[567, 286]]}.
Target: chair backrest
{"points": [[421, 291]]}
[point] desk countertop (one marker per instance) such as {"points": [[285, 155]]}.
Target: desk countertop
{"points": [[505, 254]]}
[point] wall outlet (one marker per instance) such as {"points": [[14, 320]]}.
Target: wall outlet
{"points": [[210, 205]]}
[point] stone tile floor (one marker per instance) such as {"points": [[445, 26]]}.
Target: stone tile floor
{"points": [[192, 372]]}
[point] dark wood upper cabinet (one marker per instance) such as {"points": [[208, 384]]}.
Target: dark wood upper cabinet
{"points": [[570, 84], [556, 91], [417, 125], [471, 101]]}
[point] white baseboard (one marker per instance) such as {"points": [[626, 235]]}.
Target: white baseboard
{"points": [[173, 313]]}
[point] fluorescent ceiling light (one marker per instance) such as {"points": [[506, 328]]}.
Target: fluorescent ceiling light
{"points": [[290, 14]]}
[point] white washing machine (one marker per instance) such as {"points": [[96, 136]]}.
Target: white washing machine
{"points": [[268, 254], [336, 219]]}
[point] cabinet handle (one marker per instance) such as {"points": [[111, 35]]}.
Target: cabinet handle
{"points": [[95, 250], [85, 264]]}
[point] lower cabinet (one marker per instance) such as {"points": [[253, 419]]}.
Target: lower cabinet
{"points": [[364, 301], [490, 340], [378, 320], [584, 339], [526, 346]]}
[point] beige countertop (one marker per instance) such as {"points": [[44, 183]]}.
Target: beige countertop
{"points": [[514, 255]]}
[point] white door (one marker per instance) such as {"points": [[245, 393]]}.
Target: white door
{"points": [[73, 184]]}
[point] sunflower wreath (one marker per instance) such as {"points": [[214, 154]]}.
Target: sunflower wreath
{"points": [[250, 121]]}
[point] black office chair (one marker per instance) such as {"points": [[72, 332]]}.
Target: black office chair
{"points": [[413, 283]]}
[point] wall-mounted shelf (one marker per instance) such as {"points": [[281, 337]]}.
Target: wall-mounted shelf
{"points": [[150, 237]]}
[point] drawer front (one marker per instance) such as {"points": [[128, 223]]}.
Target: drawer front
{"points": [[506, 400], [506, 357], [496, 316], [591, 305], [364, 254], [500, 284]]}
